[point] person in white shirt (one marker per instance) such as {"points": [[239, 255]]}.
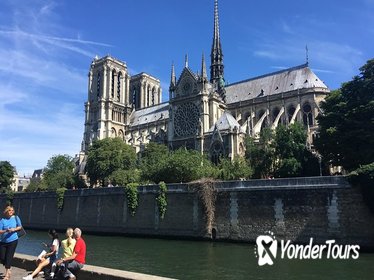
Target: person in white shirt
{"points": [[47, 258]]}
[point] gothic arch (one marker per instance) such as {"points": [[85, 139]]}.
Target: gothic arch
{"points": [[307, 114], [98, 83], [119, 78], [148, 95], [113, 132], [153, 95], [216, 151], [290, 112], [112, 84], [121, 134]]}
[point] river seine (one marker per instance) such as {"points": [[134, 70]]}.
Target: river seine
{"points": [[202, 260]]}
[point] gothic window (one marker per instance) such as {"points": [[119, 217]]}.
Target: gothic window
{"points": [[112, 85], [186, 119], [153, 96], [246, 116], [98, 84], [216, 152], [307, 115], [275, 114], [290, 111], [120, 134], [148, 95], [113, 132], [134, 97], [119, 86], [265, 121]]}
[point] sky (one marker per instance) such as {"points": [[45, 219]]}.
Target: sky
{"points": [[46, 48]]}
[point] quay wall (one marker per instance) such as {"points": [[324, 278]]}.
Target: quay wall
{"points": [[294, 209]]}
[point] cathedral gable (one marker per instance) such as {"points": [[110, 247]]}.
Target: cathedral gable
{"points": [[187, 83]]}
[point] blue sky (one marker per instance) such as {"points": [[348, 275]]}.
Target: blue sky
{"points": [[46, 48]]}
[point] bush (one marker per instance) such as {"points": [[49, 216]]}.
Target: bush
{"points": [[131, 191], [161, 199]]}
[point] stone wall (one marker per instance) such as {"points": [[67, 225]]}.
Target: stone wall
{"points": [[296, 209]]}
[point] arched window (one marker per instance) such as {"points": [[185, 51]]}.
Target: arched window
{"points": [[112, 84], [216, 152], [120, 134], [119, 86], [290, 111], [274, 114], [246, 115], [307, 115], [148, 95], [153, 95], [113, 132], [98, 84], [265, 122], [134, 98]]}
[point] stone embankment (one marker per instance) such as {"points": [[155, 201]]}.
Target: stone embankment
{"points": [[89, 272]]}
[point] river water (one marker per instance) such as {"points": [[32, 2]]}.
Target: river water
{"points": [[202, 260]]}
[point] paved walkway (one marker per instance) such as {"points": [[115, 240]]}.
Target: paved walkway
{"points": [[17, 274]]}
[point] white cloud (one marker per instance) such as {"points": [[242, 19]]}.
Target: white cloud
{"points": [[41, 88]]}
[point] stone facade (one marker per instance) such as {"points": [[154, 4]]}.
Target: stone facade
{"points": [[202, 114]]}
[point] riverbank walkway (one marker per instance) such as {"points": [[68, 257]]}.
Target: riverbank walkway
{"points": [[25, 264]]}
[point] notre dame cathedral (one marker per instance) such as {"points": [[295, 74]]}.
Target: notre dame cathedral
{"points": [[202, 113]]}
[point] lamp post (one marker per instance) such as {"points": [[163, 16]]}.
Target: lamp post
{"points": [[320, 164]]}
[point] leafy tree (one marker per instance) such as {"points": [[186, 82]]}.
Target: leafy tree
{"points": [[234, 170], [186, 165], [36, 184], [153, 163], [108, 155], [289, 149], [6, 175], [158, 164], [123, 177], [346, 127], [59, 172], [260, 153]]}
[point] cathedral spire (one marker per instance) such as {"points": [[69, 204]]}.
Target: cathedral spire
{"points": [[173, 81], [216, 55], [204, 76]]}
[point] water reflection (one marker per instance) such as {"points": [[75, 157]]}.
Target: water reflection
{"points": [[202, 260]]}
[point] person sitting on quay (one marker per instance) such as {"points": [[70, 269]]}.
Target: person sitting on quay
{"points": [[47, 258], [67, 245], [76, 261]]}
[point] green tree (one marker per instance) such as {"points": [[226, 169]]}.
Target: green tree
{"points": [[346, 127], [6, 175], [106, 156], [233, 170], [158, 164], [289, 149], [153, 162], [59, 172], [260, 153], [36, 185], [186, 165], [123, 177]]}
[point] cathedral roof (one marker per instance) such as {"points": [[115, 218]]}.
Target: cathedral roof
{"points": [[226, 122], [150, 114], [299, 77]]}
